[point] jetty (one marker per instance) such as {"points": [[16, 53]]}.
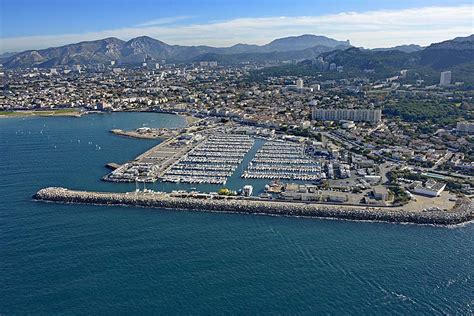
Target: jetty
{"points": [[462, 212], [112, 165]]}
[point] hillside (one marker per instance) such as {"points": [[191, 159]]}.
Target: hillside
{"points": [[450, 53], [456, 55], [403, 48], [137, 49]]}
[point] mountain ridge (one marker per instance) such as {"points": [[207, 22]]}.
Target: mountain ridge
{"points": [[138, 49], [408, 48], [437, 56]]}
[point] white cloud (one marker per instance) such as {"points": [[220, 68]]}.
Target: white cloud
{"points": [[164, 21], [368, 29]]}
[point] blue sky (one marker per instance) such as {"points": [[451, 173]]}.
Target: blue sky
{"points": [[28, 24]]}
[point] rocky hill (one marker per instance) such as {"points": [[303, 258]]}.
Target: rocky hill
{"points": [[439, 56], [138, 49]]}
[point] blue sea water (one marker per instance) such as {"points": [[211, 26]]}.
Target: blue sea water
{"points": [[78, 259]]}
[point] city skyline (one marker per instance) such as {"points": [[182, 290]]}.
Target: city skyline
{"points": [[219, 24]]}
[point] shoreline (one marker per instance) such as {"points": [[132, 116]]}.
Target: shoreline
{"points": [[189, 119], [134, 134], [461, 213], [47, 113]]}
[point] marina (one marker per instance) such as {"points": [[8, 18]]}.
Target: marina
{"points": [[283, 160], [213, 161], [150, 165]]}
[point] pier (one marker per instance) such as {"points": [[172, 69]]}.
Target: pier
{"points": [[150, 166], [462, 212]]}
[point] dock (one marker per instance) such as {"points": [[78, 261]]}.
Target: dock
{"points": [[284, 161], [150, 166], [212, 161]]}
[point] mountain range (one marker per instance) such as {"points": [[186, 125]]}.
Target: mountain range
{"points": [[437, 56], [138, 49], [458, 52]]}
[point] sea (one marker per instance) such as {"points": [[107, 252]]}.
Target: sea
{"points": [[84, 259]]}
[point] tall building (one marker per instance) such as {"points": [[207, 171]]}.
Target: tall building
{"points": [[299, 83], [356, 115], [445, 78]]}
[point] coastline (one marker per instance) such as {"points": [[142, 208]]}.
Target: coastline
{"points": [[190, 120], [461, 213], [69, 112], [48, 113], [134, 134]]}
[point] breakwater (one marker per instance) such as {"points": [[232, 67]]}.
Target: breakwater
{"points": [[462, 212]]}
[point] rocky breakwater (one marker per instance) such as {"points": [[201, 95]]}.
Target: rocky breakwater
{"points": [[462, 212]]}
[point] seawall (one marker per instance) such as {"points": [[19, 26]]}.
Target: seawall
{"points": [[462, 212]]}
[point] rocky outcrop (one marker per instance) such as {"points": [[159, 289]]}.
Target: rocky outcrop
{"points": [[462, 212]]}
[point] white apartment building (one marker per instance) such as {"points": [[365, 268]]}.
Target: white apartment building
{"points": [[299, 83], [356, 115], [445, 78]]}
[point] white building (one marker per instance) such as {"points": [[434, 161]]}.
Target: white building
{"points": [[445, 78], [356, 115], [347, 124], [299, 83], [431, 188]]}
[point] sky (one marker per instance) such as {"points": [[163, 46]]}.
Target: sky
{"points": [[36, 24]]}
